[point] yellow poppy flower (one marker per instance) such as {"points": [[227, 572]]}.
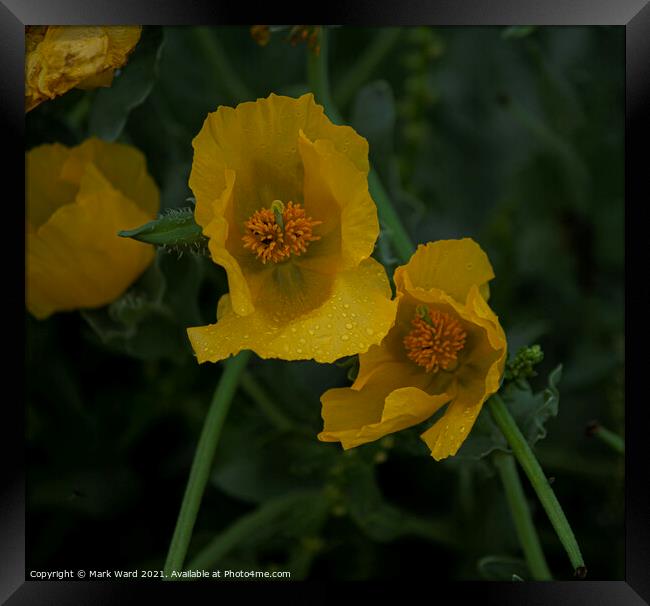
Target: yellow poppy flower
{"points": [[77, 200], [59, 58], [282, 195], [446, 347]]}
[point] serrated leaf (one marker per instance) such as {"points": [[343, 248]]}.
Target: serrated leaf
{"points": [[112, 106], [530, 411]]}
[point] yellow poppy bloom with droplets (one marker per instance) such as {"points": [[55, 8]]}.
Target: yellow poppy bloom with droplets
{"points": [[59, 58], [282, 195], [446, 348], [77, 200]]}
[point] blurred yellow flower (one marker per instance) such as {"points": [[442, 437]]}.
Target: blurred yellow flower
{"points": [[282, 195], [446, 347], [59, 58], [77, 200]]}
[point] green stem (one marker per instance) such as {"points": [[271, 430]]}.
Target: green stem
{"points": [[366, 64], [394, 227], [531, 467], [520, 512], [203, 459], [614, 441], [223, 71], [319, 82], [318, 77]]}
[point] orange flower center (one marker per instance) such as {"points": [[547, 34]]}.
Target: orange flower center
{"points": [[276, 233], [435, 339]]}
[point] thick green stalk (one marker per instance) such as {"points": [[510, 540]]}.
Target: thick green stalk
{"points": [[533, 470], [203, 459], [523, 520]]}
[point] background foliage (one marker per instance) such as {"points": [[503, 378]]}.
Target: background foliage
{"points": [[512, 136]]}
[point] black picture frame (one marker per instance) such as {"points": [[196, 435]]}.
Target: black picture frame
{"points": [[634, 15]]}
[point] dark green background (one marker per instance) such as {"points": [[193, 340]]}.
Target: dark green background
{"points": [[511, 136]]}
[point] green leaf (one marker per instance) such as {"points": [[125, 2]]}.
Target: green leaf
{"points": [[130, 88], [373, 116], [148, 322], [530, 410], [273, 463], [503, 568], [380, 520]]}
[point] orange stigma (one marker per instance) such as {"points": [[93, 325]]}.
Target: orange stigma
{"points": [[276, 233], [435, 339]]}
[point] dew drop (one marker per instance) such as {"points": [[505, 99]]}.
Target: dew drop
{"points": [[348, 326], [345, 337]]}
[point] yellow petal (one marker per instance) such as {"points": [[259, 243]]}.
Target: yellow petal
{"points": [[66, 56], [76, 259], [357, 314], [446, 435], [259, 141], [357, 417], [452, 266], [122, 40], [217, 232], [336, 191], [123, 165], [45, 190], [62, 57], [478, 378]]}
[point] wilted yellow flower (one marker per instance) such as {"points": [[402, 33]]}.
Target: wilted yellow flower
{"points": [[59, 58], [282, 195], [77, 200], [446, 347]]}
